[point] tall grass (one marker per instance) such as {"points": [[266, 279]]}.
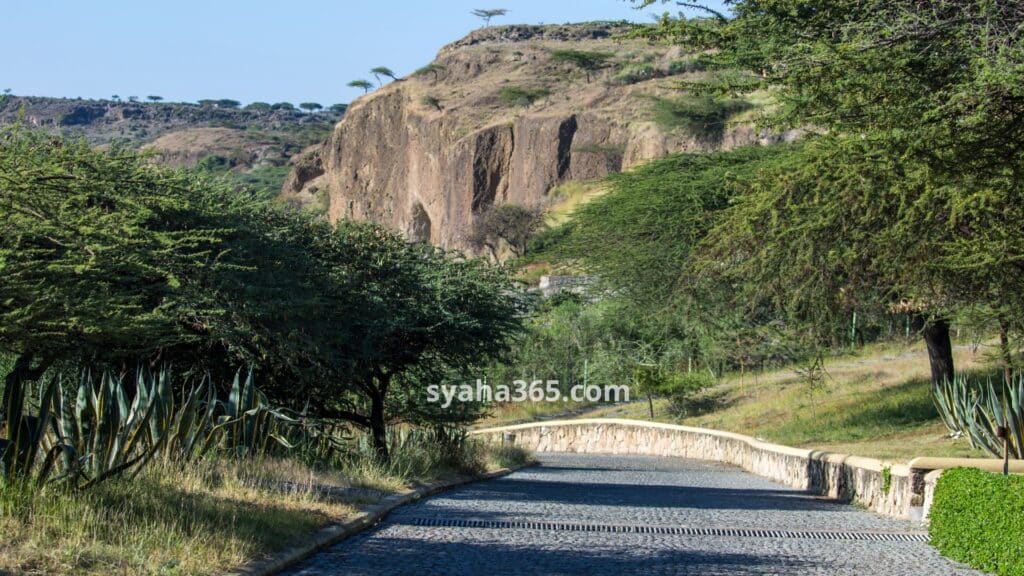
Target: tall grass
{"points": [[170, 519], [212, 514], [419, 455]]}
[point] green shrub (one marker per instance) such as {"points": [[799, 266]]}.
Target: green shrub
{"points": [[635, 73], [978, 518], [686, 65], [703, 115], [516, 96], [680, 389]]}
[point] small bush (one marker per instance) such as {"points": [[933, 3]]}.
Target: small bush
{"points": [[680, 389], [703, 115], [635, 73], [516, 96], [687, 65], [978, 518]]}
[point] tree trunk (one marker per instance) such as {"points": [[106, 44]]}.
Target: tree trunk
{"points": [[378, 425], [940, 347], [1004, 348], [650, 406], [379, 431], [15, 379]]}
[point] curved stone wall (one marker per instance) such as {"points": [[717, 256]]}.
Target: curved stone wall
{"points": [[891, 489]]}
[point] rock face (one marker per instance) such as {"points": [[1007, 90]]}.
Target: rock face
{"points": [[426, 154]]}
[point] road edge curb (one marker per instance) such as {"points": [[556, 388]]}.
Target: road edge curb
{"points": [[366, 518]]}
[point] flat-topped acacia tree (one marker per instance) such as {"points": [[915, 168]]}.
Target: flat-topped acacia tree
{"points": [[364, 84], [419, 315], [589, 62], [382, 71], [110, 260], [487, 14]]}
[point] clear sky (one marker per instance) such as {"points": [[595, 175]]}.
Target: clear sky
{"points": [[247, 50]]}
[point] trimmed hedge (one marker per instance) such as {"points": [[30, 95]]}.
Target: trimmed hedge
{"points": [[978, 518]]}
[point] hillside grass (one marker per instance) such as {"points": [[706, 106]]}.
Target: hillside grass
{"points": [[206, 517], [875, 403]]}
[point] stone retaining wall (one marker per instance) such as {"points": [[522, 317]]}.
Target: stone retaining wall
{"points": [[883, 488]]}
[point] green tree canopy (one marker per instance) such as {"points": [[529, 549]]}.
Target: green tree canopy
{"points": [[589, 62], [920, 103], [364, 84], [487, 14], [382, 71]]}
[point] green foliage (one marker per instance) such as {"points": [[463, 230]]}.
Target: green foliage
{"points": [[383, 71], [639, 236], [90, 432], [688, 65], [634, 73], [680, 388], [978, 518], [509, 223], [518, 96], [920, 103], [258, 106], [431, 101], [976, 409], [311, 106], [703, 115], [487, 14], [107, 258], [96, 248], [264, 182], [432, 68], [589, 62], [364, 84]]}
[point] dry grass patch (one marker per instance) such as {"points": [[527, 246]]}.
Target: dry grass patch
{"points": [[876, 403], [170, 520]]}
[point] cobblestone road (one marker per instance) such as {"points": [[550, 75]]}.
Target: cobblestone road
{"points": [[674, 516]]}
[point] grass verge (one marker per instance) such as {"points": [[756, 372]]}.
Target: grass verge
{"points": [[875, 403], [207, 517]]}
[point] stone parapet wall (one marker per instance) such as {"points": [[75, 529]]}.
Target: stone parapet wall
{"points": [[881, 487]]}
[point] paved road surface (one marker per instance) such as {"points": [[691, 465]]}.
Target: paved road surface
{"points": [[619, 515]]}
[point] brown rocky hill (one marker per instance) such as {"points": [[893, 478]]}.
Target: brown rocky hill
{"points": [[499, 118], [253, 139]]}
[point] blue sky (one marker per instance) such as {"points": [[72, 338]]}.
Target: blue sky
{"points": [[295, 51]]}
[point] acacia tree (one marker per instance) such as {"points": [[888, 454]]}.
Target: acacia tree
{"points": [[365, 85], [487, 14], [106, 258], [926, 91], [589, 62], [310, 106], [382, 71], [417, 314], [432, 68], [511, 223]]}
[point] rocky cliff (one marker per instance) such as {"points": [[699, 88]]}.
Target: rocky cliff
{"points": [[497, 118]]}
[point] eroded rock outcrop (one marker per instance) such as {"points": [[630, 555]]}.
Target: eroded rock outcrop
{"points": [[426, 154]]}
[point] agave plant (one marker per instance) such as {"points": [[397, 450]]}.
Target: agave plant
{"points": [[19, 453], [977, 411], [248, 421], [87, 433]]}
